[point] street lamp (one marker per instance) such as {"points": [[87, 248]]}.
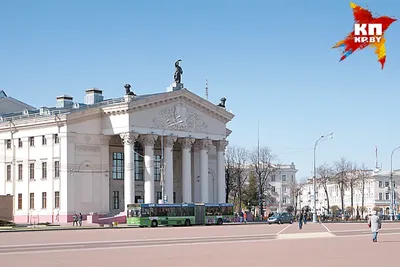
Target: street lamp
{"points": [[162, 156], [322, 138], [392, 208]]}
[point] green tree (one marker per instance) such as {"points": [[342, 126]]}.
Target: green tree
{"points": [[250, 196]]}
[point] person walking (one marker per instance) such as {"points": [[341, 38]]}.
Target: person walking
{"points": [[375, 223], [300, 219], [80, 218]]}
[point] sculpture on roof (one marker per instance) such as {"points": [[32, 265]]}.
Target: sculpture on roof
{"points": [[178, 72], [128, 90], [222, 103]]}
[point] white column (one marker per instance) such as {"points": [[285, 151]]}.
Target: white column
{"points": [[148, 143], [169, 167], [186, 144], [220, 147], [129, 162], [204, 145]]}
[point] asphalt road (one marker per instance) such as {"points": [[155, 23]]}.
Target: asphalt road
{"points": [[247, 245]]}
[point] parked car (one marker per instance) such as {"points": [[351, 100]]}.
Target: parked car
{"points": [[281, 218]]}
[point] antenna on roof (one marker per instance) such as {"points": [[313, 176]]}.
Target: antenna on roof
{"points": [[206, 89]]}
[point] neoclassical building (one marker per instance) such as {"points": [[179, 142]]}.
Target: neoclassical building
{"points": [[100, 155]]}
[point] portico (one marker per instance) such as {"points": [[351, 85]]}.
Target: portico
{"points": [[194, 161]]}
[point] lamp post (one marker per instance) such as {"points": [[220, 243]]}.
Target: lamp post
{"points": [[392, 208], [162, 157], [322, 138]]}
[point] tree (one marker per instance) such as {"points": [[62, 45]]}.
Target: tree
{"points": [[263, 168], [290, 209], [335, 209], [250, 192], [295, 191], [325, 174], [342, 169], [237, 168], [352, 182], [363, 174]]}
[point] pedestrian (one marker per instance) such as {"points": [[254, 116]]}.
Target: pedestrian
{"points": [[80, 219], [375, 224], [305, 217], [300, 219], [75, 220]]}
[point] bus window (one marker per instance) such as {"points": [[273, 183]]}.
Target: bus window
{"points": [[178, 211], [171, 211], [134, 213], [145, 212], [227, 211]]}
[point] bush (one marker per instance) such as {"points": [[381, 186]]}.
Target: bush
{"points": [[6, 223]]}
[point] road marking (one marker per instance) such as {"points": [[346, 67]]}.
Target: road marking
{"points": [[132, 247], [305, 235], [327, 229], [132, 240], [283, 230]]}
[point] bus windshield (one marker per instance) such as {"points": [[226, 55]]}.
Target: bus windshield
{"points": [[134, 212]]}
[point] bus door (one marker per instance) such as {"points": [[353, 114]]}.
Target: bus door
{"points": [[199, 213]]}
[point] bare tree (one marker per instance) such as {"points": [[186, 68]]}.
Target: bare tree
{"points": [[353, 179], [263, 168], [325, 174], [237, 172], [295, 191], [363, 174], [342, 169]]}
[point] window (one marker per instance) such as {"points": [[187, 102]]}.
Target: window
{"points": [[174, 197], [116, 200], [20, 201], [137, 199], [8, 144], [387, 196], [138, 163], [157, 167], [380, 184], [8, 173], [32, 201], [386, 184], [158, 196], [56, 169], [19, 142], [56, 139], [57, 199], [31, 141], [380, 196], [284, 200], [273, 178], [44, 200], [118, 166], [19, 172], [273, 189], [44, 140], [31, 171], [283, 177], [44, 170], [284, 189]]}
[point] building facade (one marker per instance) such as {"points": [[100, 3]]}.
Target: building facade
{"points": [[282, 182], [100, 155], [377, 194]]}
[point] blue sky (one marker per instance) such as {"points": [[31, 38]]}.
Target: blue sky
{"points": [[273, 62]]}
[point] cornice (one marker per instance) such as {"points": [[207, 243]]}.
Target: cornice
{"points": [[33, 122], [168, 98]]}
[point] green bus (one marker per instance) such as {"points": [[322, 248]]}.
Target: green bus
{"points": [[153, 215]]}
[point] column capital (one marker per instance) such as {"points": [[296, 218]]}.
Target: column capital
{"points": [[148, 139], [220, 145], [170, 140], [129, 138], [203, 144], [186, 142]]}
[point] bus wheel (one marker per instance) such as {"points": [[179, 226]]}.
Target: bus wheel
{"points": [[187, 222], [219, 222], [154, 223]]}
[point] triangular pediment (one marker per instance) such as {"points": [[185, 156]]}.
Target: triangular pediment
{"points": [[183, 99]]}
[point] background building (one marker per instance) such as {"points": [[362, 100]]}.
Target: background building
{"points": [[377, 194], [100, 155]]}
